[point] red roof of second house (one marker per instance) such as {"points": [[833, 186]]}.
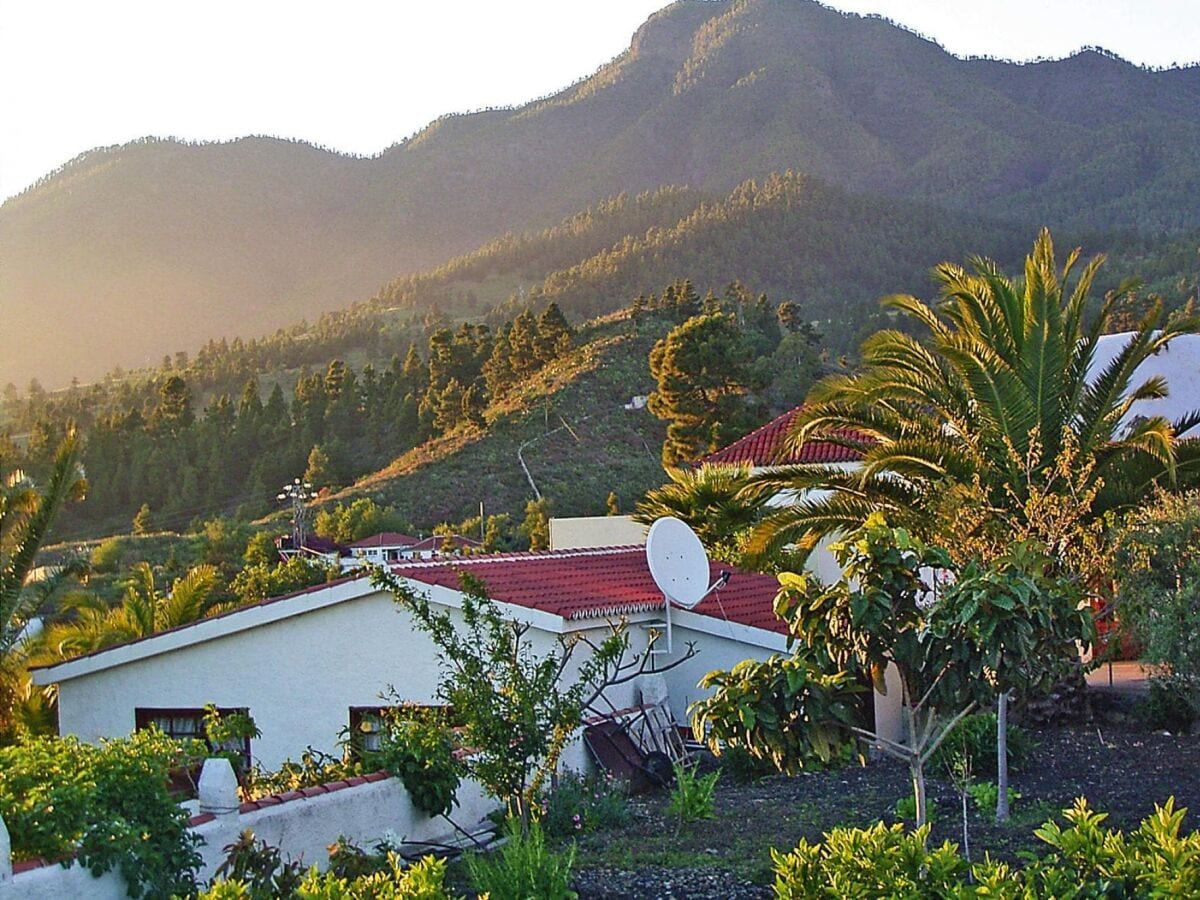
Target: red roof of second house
{"points": [[599, 583], [763, 447], [385, 539]]}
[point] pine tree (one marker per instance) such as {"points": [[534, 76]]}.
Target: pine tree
{"points": [[141, 521], [612, 506]]}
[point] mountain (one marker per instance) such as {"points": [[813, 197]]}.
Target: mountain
{"points": [[134, 251]]}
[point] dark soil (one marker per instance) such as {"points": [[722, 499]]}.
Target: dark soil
{"points": [[1121, 771]]}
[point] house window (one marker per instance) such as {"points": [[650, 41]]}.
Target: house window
{"points": [[367, 723], [188, 724]]}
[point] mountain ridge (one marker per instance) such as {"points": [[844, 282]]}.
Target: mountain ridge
{"points": [[163, 245]]}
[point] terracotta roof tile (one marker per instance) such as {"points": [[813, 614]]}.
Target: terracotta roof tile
{"points": [[607, 582], [386, 539], [762, 447]]}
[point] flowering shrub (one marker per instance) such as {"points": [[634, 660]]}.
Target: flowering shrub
{"points": [[107, 805], [1085, 860], [585, 803]]}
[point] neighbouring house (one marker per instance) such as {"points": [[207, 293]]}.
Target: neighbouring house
{"points": [[763, 450], [379, 549], [310, 665], [314, 547]]}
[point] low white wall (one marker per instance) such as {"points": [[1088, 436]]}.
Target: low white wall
{"points": [[302, 825], [586, 532]]}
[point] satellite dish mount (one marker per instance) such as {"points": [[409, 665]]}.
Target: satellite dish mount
{"points": [[679, 566]]}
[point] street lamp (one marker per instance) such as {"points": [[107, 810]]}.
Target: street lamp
{"points": [[298, 492]]}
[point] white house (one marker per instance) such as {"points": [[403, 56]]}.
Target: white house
{"points": [[305, 665]]}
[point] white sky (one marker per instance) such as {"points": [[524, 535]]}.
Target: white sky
{"points": [[359, 75]]}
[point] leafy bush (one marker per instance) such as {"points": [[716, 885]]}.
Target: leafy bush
{"points": [[693, 796], [743, 767], [254, 870], [314, 767], [1085, 860], [986, 795], [906, 809], [1168, 707], [108, 804], [523, 868], [421, 754], [585, 803], [880, 861], [974, 739]]}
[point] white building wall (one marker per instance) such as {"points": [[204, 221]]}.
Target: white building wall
{"points": [[298, 676]]}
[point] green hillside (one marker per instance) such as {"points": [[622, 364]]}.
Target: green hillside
{"points": [[135, 251]]}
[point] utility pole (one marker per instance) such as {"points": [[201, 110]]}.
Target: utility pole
{"points": [[298, 492]]}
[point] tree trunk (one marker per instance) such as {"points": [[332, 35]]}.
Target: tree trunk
{"points": [[917, 768], [1002, 758]]}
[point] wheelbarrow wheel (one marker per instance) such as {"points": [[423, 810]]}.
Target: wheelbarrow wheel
{"points": [[657, 771]]}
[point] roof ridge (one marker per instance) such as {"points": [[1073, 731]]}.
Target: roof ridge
{"points": [[482, 558]]}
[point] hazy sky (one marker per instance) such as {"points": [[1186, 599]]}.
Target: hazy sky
{"points": [[358, 75]]}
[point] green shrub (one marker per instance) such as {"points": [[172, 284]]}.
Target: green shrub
{"points": [[108, 804], [523, 868], [743, 766], [423, 880], [421, 754], [880, 861], [1168, 707], [1085, 860], [986, 795], [314, 767], [906, 809], [585, 803], [694, 795], [975, 739]]}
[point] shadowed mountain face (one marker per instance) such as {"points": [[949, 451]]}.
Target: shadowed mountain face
{"points": [[132, 252]]}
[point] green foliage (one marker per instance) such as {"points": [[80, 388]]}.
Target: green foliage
{"points": [[743, 767], [973, 739], [1158, 599], [260, 550], [785, 711], [107, 556], [536, 526], [346, 523], [693, 796], [256, 583], [703, 383], [986, 795], [1170, 705], [906, 809], [313, 768], [975, 419], [107, 804], [421, 754], [714, 500], [253, 870], [516, 710], [1084, 860], [581, 803], [523, 868], [880, 861]]}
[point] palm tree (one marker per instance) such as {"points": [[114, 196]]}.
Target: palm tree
{"points": [[999, 391], [993, 425], [26, 515], [713, 500], [144, 610]]}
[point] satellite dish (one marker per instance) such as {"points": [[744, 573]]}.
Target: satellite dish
{"points": [[678, 563]]}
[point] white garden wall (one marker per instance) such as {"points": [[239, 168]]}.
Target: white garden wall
{"points": [[302, 824]]}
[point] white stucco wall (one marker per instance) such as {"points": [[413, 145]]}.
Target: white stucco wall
{"points": [[595, 531], [298, 676]]}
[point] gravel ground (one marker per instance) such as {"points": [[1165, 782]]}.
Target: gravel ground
{"points": [[1122, 771]]}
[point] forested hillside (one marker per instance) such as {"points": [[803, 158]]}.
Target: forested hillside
{"points": [[136, 251]]}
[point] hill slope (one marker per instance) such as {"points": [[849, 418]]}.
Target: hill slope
{"points": [[143, 249]]}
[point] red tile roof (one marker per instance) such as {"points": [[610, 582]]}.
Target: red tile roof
{"points": [[386, 539], [605, 582], [762, 447]]}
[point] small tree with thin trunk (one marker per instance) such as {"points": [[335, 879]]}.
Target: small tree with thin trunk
{"points": [[954, 644], [519, 708]]}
